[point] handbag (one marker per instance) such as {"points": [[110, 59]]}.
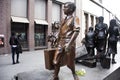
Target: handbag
{"points": [[19, 48]]}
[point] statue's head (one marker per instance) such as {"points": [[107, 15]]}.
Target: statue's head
{"points": [[90, 28], [113, 22], [69, 8], [101, 19]]}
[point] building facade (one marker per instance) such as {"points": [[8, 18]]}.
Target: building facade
{"points": [[33, 20]]}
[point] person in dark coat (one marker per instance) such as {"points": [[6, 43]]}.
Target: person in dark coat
{"points": [[14, 43], [113, 32]]}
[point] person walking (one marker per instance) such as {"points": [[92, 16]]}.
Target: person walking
{"points": [[14, 43]]}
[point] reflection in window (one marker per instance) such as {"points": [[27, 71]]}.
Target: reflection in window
{"points": [[40, 35]]}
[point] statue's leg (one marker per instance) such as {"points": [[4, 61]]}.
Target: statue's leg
{"points": [[56, 63], [72, 68], [57, 69], [71, 63], [113, 59]]}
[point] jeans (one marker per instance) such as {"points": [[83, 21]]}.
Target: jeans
{"points": [[15, 51]]}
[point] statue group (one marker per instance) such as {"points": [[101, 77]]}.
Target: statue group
{"points": [[104, 40], [64, 35]]}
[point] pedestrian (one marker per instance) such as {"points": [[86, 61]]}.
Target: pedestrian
{"points": [[13, 41], [113, 32]]}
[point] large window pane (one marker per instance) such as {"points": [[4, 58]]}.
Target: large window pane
{"points": [[19, 8], [55, 12], [40, 9]]}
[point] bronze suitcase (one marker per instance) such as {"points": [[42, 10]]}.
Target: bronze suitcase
{"points": [[49, 55]]}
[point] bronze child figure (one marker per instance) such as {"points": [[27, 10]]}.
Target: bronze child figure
{"points": [[65, 51]]}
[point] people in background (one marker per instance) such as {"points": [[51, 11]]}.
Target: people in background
{"points": [[14, 43]]}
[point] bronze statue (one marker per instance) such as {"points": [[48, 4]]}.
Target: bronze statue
{"points": [[113, 32], [65, 51], [90, 41], [52, 38], [101, 32]]}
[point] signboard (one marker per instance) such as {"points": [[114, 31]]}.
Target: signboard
{"points": [[1, 40]]}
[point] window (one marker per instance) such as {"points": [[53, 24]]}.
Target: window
{"points": [[55, 12], [92, 20], [40, 35], [19, 28], [86, 22], [40, 9], [19, 8], [96, 20]]}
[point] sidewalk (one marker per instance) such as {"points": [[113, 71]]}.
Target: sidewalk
{"points": [[32, 64]]}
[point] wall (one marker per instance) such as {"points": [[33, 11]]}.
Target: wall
{"points": [[5, 24]]}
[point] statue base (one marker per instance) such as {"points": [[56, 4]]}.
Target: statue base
{"points": [[87, 62]]}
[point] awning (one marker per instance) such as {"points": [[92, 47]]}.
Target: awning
{"points": [[19, 19], [42, 22]]}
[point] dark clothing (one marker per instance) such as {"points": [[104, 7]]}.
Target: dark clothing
{"points": [[113, 32], [90, 42], [13, 40], [90, 39], [14, 49], [101, 32], [112, 40]]}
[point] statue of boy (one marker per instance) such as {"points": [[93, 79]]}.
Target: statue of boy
{"points": [[68, 32]]}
